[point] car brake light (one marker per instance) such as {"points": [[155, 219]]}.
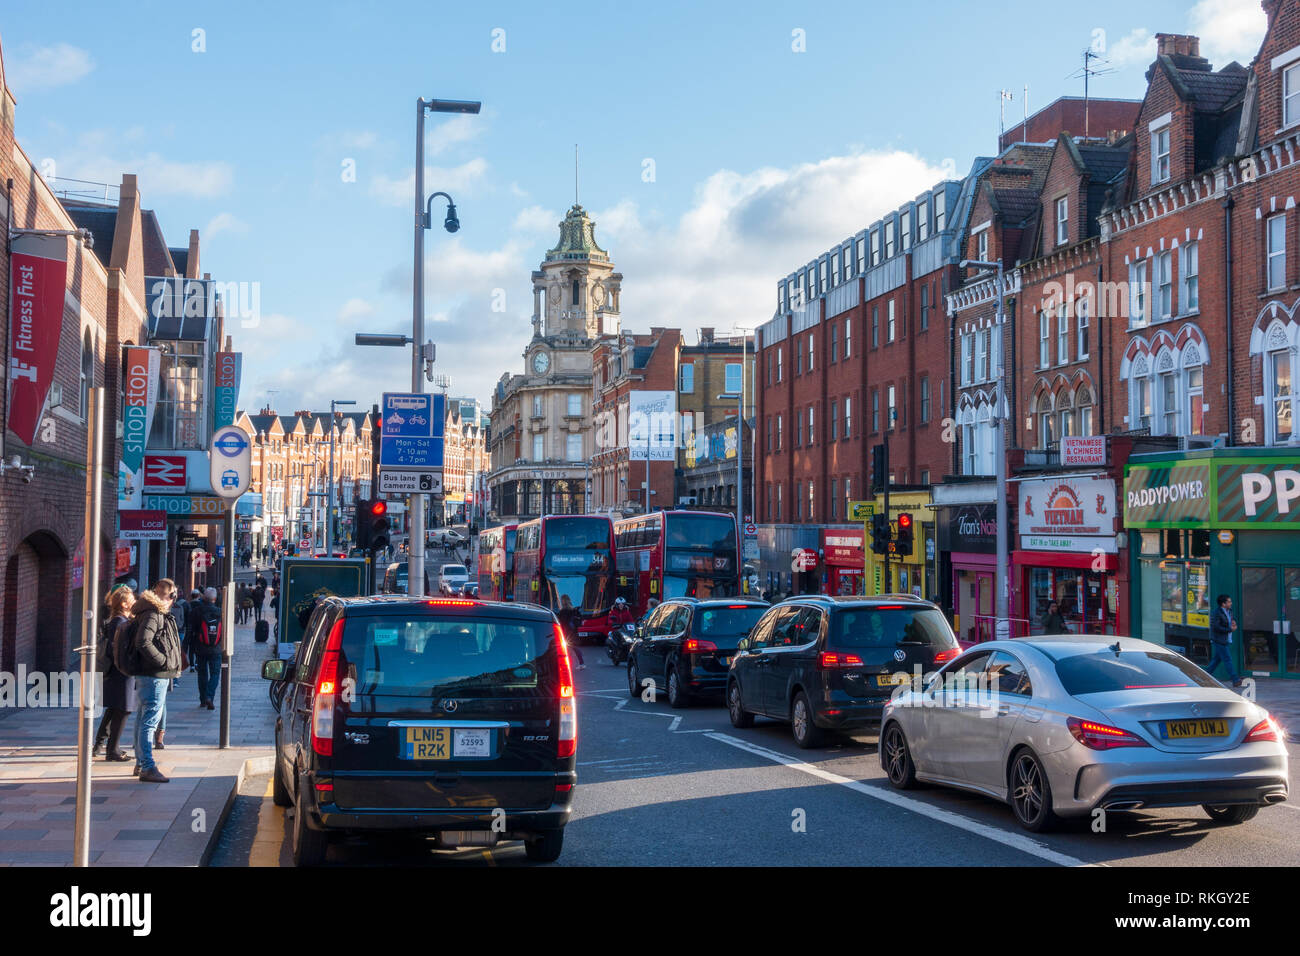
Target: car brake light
{"points": [[889, 607], [1266, 729], [448, 602], [568, 737], [827, 660], [1102, 736], [942, 656], [693, 646], [738, 607], [322, 715]]}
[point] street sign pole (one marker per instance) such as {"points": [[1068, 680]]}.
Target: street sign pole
{"points": [[230, 469], [89, 635]]}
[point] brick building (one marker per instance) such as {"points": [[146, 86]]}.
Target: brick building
{"points": [[712, 377], [628, 369], [43, 475]]}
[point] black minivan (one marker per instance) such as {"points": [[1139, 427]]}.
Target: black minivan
{"points": [[831, 663], [443, 717]]}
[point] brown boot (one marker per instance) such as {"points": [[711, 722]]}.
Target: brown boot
{"points": [[158, 740], [152, 775]]}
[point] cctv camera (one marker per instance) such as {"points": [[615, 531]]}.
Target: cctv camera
{"points": [[451, 223], [27, 477]]}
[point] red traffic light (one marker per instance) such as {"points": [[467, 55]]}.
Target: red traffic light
{"points": [[378, 508], [905, 520]]}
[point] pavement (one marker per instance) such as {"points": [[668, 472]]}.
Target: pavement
{"points": [[133, 823]]}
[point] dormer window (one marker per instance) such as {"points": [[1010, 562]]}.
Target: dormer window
{"points": [[1062, 221], [1160, 154], [1291, 95]]}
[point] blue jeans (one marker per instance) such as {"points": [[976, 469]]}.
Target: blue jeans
{"points": [[152, 692], [209, 675], [1222, 654]]}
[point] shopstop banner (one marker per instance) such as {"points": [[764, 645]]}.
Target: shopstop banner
{"points": [[140, 397], [226, 398], [37, 280]]}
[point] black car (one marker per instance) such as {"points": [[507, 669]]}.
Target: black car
{"points": [[441, 717], [831, 663], [686, 645]]}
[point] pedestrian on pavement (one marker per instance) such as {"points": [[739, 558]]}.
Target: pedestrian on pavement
{"points": [[1053, 622], [156, 644], [205, 646], [1222, 624], [266, 554], [116, 685], [570, 619], [259, 595]]}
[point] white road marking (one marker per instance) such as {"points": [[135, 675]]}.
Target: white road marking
{"points": [[677, 722], [1015, 841], [605, 690]]}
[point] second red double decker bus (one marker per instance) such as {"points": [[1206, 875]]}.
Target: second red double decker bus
{"points": [[667, 554], [567, 555], [496, 563]]}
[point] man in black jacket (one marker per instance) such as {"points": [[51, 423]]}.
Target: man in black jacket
{"points": [[156, 644], [1222, 624], [205, 646]]}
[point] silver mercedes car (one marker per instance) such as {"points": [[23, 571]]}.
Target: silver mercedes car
{"points": [[1060, 726]]}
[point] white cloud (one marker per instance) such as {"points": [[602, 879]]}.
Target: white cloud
{"points": [[355, 308], [536, 219], [224, 222], [47, 67], [1229, 29], [103, 155], [400, 191], [1136, 49], [363, 139], [452, 132]]}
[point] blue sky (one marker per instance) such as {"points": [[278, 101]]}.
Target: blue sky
{"points": [[762, 156]]}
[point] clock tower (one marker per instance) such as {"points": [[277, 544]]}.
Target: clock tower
{"points": [[542, 438]]}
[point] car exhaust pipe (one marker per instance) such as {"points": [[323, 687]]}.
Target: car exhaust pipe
{"points": [[1272, 798], [1123, 805]]}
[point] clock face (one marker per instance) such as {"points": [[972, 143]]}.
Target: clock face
{"points": [[541, 362]]}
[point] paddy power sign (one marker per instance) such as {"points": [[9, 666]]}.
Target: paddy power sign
{"points": [[1225, 493]]}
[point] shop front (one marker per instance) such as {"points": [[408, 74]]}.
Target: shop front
{"points": [[968, 538], [1222, 521], [842, 561], [1068, 554]]}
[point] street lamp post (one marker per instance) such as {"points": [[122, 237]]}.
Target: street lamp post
{"points": [[1002, 627], [415, 574], [329, 512]]}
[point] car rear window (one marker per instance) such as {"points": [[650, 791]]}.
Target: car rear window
{"points": [[427, 656], [890, 626], [454, 569], [719, 621], [1106, 671]]}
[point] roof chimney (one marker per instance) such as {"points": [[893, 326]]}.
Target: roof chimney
{"points": [[706, 335], [1181, 44]]}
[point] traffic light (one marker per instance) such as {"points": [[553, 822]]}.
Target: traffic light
{"points": [[879, 466], [361, 523], [378, 525], [880, 534], [904, 540]]}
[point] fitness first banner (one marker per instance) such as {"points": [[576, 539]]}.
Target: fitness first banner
{"points": [[37, 280], [139, 398]]}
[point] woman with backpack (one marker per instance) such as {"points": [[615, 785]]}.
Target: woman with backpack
{"points": [[117, 686]]}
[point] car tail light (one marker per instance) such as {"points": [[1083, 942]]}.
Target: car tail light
{"points": [[1102, 736], [324, 788], [568, 744], [828, 661], [1266, 729], [693, 646], [943, 656], [449, 602], [563, 787], [322, 716]]}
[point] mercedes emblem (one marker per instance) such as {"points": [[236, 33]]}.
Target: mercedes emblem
{"points": [[449, 705]]}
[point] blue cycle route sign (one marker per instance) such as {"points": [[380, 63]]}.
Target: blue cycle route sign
{"points": [[412, 433]]}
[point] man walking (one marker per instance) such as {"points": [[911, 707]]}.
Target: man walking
{"points": [[259, 595], [205, 646], [1222, 624], [157, 649]]}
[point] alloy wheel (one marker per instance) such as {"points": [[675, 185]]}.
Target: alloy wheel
{"points": [[1027, 789]]}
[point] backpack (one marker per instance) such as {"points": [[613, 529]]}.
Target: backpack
{"points": [[124, 656], [208, 633]]}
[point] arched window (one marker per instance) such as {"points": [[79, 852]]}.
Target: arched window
{"points": [[1065, 415], [1083, 410], [1046, 424], [87, 372], [984, 439]]}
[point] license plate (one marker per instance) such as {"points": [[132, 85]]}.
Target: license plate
{"points": [[444, 743], [724, 661], [891, 680], [1185, 729]]}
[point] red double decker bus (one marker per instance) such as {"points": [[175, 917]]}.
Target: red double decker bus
{"points": [[496, 563], [567, 555], [668, 554]]}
